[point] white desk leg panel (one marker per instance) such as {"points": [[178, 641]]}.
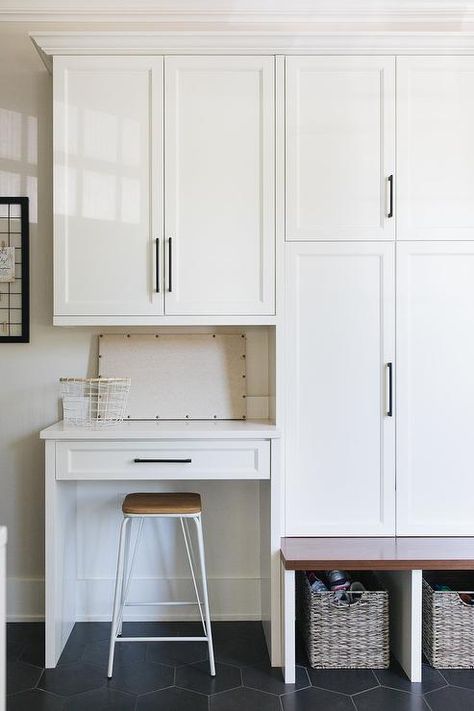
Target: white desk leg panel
{"points": [[405, 588], [270, 537], [60, 559], [288, 624]]}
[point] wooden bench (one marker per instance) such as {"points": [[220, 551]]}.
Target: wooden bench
{"points": [[399, 562]]}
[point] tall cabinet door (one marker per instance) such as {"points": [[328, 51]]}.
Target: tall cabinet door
{"points": [[340, 461], [435, 116], [107, 185], [340, 144], [219, 177], [435, 424]]}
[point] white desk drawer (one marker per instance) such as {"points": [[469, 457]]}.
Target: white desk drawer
{"points": [[203, 459]]}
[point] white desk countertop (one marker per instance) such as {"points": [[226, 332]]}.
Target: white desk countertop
{"points": [[166, 429]]}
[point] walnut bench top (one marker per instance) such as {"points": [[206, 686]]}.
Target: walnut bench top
{"points": [[388, 553]]}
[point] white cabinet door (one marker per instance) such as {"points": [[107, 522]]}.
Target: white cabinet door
{"points": [[435, 422], [435, 147], [219, 177], [340, 461], [340, 146], [107, 185]]}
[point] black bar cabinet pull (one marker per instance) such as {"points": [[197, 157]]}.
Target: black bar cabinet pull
{"points": [[162, 461], [390, 391], [390, 185], [170, 267], [157, 264]]}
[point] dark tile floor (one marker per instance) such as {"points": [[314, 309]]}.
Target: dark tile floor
{"points": [[158, 676]]}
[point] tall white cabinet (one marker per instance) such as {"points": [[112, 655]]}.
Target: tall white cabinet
{"points": [[340, 467], [345, 384], [164, 188], [340, 147], [435, 394], [435, 148]]}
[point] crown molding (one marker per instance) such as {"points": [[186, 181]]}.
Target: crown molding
{"points": [[389, 14], [50, 44]]}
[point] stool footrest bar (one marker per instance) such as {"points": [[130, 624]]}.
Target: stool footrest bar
{"points": [[170, 602], [161, 639]]}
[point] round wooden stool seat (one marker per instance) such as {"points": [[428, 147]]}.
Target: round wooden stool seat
{"points": [[162, 503]]}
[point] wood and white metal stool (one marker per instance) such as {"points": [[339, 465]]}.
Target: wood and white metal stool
{"points": [[185, 507]]}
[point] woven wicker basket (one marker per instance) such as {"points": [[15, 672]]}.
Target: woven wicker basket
{"points": [[448, 622], [344, 636]]}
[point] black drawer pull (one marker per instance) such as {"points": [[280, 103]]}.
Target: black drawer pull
{"points": [[162, 461]]}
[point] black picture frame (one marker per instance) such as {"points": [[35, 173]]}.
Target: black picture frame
{"points": [[23, 203]]}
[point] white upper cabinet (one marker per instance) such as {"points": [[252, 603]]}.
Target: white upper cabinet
{"points": [[164, 185], [219, 184], [107, 185], [340, 147], [435, 161], [339, 424], [435, 355]]}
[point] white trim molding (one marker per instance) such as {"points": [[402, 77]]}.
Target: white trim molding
{"points": [[271, 41], [252, 13]]}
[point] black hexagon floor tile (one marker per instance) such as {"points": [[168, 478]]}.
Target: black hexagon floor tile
{"points": [[22, 676], [389, 700], [14, 649], [33, 652], [344, 681], [103, 699], [141, 677], [71, 679], [196, 677], [85, 632], [248, 699], [395, 678], [25, 631], [176, 654], [241, 651], [125, 653], [451, 697], [459, 677], [34, 700], [173, 699], [311, 699], [263, 677]]}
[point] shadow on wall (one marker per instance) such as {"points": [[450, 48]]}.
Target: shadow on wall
{"points": [[19, 157]]}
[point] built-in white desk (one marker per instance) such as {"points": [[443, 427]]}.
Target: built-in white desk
{"points": [[154, 451]]}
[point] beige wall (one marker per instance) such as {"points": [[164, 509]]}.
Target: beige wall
{"points": [[29, 372]]}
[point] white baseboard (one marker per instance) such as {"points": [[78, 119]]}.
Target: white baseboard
{"points": [[230, 599], [25, 599]]}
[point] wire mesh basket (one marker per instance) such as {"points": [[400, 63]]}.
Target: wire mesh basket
{"points": [[94, 402]]}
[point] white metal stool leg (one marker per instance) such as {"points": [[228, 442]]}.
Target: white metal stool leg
{"points": [[126, 557], [191, 561], [117, 594], [127, 578], [207, 615]]}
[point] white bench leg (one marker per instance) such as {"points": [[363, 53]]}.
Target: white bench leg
{"points": [[288, 624], [405, 588]]}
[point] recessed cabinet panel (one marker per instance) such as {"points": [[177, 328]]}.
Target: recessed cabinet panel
{"points": [[435, 116], [435, 441], [340, 144], [219, 185], [107, 137], [340, 464]]}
